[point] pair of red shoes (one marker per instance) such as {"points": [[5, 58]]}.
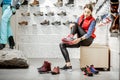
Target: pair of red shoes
{"points": [[68, 39], [46, 68]]}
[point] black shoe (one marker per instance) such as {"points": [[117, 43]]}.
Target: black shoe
{"points": [[66, 67], [70, 2], [2, 46], [25, 2], [11, 42]]}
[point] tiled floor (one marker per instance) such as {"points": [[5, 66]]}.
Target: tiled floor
{"points": [[32, 74]]}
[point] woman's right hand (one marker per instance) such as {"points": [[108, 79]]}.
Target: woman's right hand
{"points": [[71, 25]]}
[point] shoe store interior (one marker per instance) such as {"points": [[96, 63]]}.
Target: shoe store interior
{"points": [[59, 40]]}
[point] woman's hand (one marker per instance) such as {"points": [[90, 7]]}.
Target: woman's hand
{"points": [[71, 25], [76, 41]]}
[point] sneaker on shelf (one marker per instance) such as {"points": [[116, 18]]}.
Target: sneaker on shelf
{"points": [[62, 13], [38, 13], [23, 23], [25, 14], [25, 2], [34, 3], [70, 3], [59, 3], [56, 23], [45, 22], [67, 23], [50, 14]]}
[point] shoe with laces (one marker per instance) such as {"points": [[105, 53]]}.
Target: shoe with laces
{"points": [[87, 71], [59, 3], [45, 68], [93, 70]]}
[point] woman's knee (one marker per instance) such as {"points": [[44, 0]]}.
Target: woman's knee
{"points": [[61, 45]]}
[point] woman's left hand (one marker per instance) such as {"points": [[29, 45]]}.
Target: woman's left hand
{"points": [[76, 41]]}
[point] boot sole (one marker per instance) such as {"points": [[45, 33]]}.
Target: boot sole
{"points": [[44, 72]]}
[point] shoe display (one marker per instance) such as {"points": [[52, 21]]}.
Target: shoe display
{"points": [[66, 68], [38, 13], [2, 46], [55, 71], [50, 14], [62, 13], [45, 22], [25, 14], [34, 3], [45, 68], [70, 3], [56, 23], [59, 3], [23, 23], [25, 2], [93, 70], [11, 42]]}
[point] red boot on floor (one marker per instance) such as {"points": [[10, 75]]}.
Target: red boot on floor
{"points": [[46, 68], [55, 71]]}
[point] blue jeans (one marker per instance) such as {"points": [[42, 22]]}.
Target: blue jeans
{"points": [[5, 27]]}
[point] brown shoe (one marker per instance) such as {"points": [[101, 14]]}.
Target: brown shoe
{"points": [[23, 23], [35, 3], [25, 14], [55, 71], [46, 68]]}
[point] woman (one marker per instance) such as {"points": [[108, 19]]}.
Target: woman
{"points": [[84, 28]]}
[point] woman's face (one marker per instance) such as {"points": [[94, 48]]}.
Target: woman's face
{"points": [[87, 12]]}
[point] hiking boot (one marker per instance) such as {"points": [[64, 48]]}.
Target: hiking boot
{"points": [[34, 3], [59, 3], [87, 71], [50, 14], [38, 13], [68, 38], [25, 14], [62, 13], [93, 70], [25, 2], [55, 71], [67, 23], [66, 68], [45, 68], [70, 3], [11, 42], [2, 46], [45, 22], [56, 23], [23, 23]]}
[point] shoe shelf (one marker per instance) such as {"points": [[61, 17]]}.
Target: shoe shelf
{"points": [[43, 26]]}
